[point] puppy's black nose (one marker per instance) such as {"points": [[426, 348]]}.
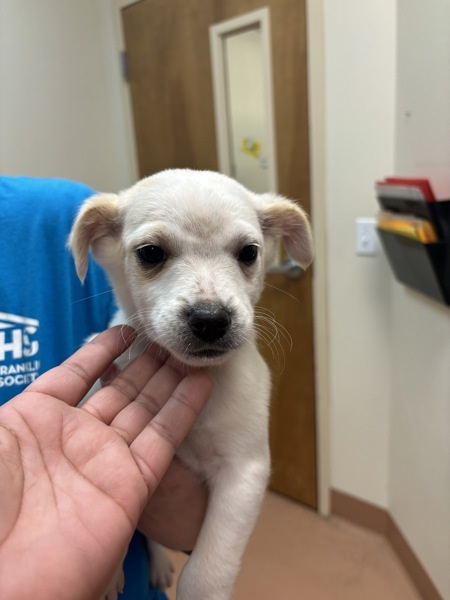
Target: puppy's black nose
{"points": [[208, 322]]}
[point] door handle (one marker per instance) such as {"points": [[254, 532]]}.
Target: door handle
{"points": [[289, 268]]}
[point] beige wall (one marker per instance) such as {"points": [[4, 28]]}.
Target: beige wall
{"points": [[61, 110], [388, 111], [359, 84], [419, 478]]}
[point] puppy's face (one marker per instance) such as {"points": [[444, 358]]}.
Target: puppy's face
{"points": [[186, 252]]}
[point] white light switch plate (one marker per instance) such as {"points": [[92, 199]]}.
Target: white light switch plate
{"points": [[366, 237]]}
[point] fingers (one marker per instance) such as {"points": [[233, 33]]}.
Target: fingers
{"points": [[138, 394], [152, 405], [160, 385], [110, 403], [154, 447], [73, 378]]}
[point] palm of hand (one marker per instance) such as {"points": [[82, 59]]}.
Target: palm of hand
{"points": [[70, 477], [74, 481]]}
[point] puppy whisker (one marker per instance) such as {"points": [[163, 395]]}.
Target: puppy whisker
{"points": [[86, 298], [273, 334], [282, 291], [268, 316]]}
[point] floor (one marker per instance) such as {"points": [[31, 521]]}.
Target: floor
{"points": [[296, 555]]}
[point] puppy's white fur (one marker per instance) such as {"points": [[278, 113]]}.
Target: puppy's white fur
{"points": [[202, 221]]}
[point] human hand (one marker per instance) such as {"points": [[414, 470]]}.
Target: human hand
{"points": [[74, 481]]}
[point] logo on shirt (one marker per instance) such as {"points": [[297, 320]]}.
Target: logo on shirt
{"points": [[18, 349]]}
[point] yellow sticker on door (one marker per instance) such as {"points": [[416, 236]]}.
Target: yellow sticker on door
{"points": [[251, 147]]}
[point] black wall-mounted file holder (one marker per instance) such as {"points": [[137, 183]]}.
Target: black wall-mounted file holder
{"points": [[423, 267]]}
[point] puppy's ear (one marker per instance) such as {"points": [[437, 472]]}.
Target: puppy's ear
{"points": [[282, 218], [98, 218]]}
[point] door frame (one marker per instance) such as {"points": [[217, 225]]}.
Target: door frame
{"points": [[317, 135], [317, 123]]}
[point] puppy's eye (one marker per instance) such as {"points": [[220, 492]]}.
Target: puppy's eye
{"points": [[151, 255], [248, 254]]}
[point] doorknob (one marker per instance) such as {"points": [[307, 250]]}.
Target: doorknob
{"points": [[289, 268]]}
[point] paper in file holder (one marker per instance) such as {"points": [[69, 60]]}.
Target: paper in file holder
{"points": [[423, 267]]}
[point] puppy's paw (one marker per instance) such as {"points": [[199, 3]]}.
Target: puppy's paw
{"points": [[161, 568], [115, 586]]}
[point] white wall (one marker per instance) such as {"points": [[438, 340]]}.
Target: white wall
{"points": [[360, 86], [60, 101], [419, 486]]}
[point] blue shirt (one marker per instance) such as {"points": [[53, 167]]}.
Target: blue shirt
{"points": [[45, 312]]}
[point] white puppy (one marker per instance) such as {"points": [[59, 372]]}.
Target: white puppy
{"points": [[186, 253]]}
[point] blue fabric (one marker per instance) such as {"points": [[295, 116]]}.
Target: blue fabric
{"points": [[137, 572], [45, 312]]}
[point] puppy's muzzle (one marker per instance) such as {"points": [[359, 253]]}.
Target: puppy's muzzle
{"points": [[208, 322]]}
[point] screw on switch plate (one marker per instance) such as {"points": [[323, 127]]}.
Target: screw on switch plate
{"points": [[366, 237]]}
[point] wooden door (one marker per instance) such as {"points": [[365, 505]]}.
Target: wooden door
{"points": [[167, 42]]}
